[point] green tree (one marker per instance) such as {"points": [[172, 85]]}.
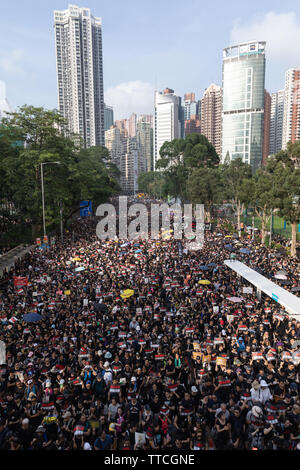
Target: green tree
{"points": [[205, 187], [233, 174], [82, 174], [286, 180], [179, 157]]}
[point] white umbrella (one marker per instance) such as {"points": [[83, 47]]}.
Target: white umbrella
{"points": [[280, 276], [235, 299]]}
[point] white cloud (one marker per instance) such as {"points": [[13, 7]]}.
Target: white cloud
{"points": [[281, 31], [129, 97], [10, 62]]}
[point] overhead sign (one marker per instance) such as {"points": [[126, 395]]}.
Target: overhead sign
{"points": [[85, 208]]}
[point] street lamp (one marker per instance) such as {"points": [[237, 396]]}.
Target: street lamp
{"points": [[43, 200]]}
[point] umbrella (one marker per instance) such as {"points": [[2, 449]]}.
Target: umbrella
{"points": [[204, 268], [285, 282], [76, 259], [228, 236], [204, 282], [230, 247], [235, 299], [127, 293], [99, 307], [245, 250], [32, 317], [212, 265], [295, 289], [280, 276], [138, 251], [81, 268], [282, 271]]}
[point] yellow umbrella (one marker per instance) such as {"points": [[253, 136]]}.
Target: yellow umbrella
{"points": [[67, 292], [228, 236], [127, 293], [167, 231], [204, 282], [76, 259]]}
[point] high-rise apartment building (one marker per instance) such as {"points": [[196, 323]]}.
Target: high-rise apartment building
{"points": [[189, 97], [78, 42], [291, 116], [130, 167], [146, 118], [211, 115], [168, 122], [243, 102], [192, 125], [4, 104], [125, 153], [144, 137], [266, 139], [190, 106], [276, 122], [132, 125], [115, 144], [108, 117]]}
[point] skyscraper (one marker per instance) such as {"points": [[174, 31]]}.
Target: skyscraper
{"points": [[132, 125], [243, 102], [291, 116], [276, 122], [267, 117], [115, 144], [167, 122], [125, 153], [192, 125], [211, 115], [78, 42], [108, 117], [146, 118], [190, 106], [144, 137]]}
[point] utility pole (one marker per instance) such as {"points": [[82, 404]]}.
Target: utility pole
{"points": [[43, 199], [61, 223], [43, 194], [271, 227]]}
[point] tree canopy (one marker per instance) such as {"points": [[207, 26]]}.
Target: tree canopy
{"points": [[32, 136]]}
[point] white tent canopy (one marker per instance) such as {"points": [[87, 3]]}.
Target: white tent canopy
{"points": [[289, 301]]}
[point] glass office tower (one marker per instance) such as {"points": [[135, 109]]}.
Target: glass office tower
{"points": [[243, 102]]}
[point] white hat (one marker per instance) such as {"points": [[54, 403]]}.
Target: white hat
{"points": [[133, 379], [87, 446], [194, 389], [61, 382], [106, 365], [257, 411], [263, 383]]}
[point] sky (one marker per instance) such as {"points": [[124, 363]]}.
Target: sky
{"points": [[147, 45]]}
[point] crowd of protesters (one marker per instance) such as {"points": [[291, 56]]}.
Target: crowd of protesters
{"points": [[179, 365]]}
